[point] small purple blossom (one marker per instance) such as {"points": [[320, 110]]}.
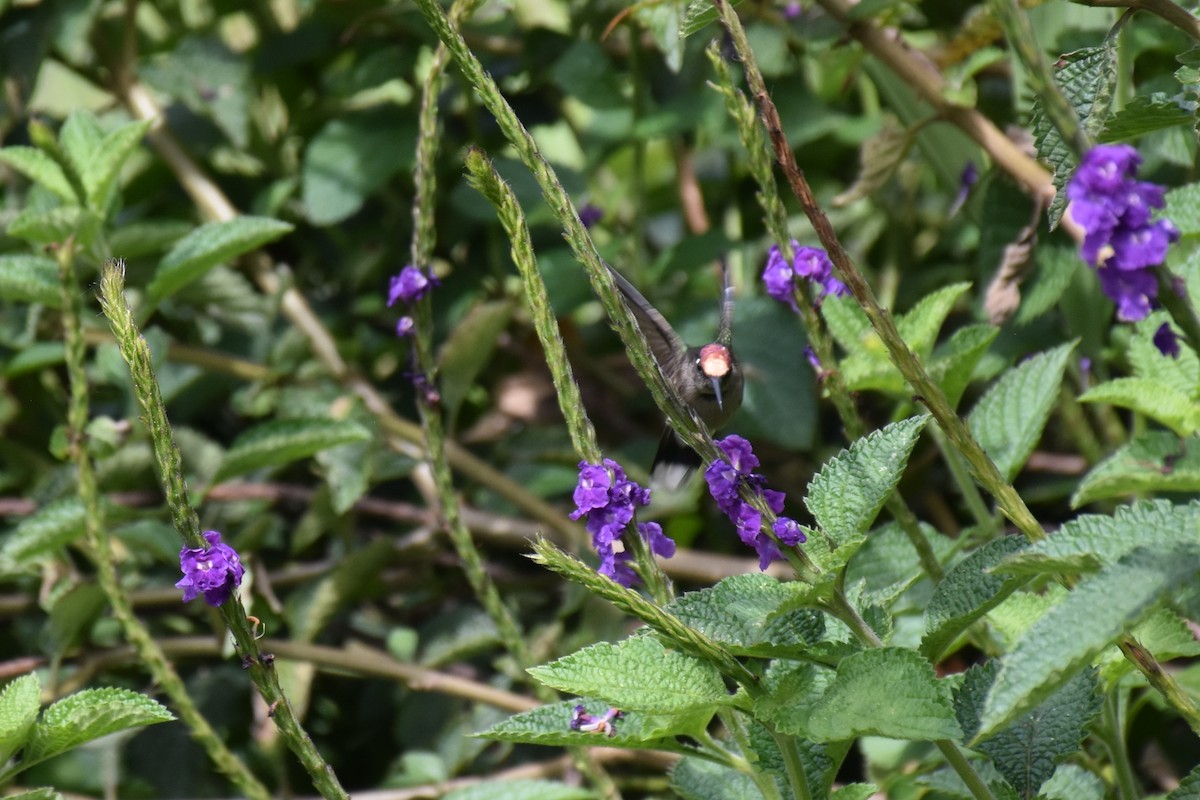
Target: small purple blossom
{"points": [[1166, 340], [606, 496], [214, 571], [791, 10], [604, 723], [726, 476], [405, 326], [810, 263], [590, 214], [1121, 240], [410, 285], [967, 179]]}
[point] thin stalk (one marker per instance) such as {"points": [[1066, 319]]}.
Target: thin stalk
{"points": [[962, 767], [962, 479], [775, 216], [1112, 733], [96, 533], [765, 783], [136, 354], [906, 361]]}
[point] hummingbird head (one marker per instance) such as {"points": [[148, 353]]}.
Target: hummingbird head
{"points": [[715, 363]]}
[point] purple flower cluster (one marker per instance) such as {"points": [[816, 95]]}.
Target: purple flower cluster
{"points": [[726, 476], [810, 263], [1121, 241], [608, 499], [409, 286], [214, 571]]}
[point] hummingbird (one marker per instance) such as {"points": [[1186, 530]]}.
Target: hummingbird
{"points": [[708, 378]]}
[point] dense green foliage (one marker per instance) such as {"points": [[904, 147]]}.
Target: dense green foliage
{"points": [[993, 467]]}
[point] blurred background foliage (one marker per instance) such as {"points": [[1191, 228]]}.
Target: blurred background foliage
{"points": [[307, 112]]}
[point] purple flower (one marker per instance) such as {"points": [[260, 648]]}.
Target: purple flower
{"points": [[410, 285], [405, 326], [214, 571], [810, 263], [604, 723], [1121, 240], [726, 476], [609, 499], [1166, 340], [791, 10], [590, 214]]}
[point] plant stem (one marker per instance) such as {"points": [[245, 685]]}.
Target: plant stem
{"points": [[136, 353], [96, 532], [958, 762], [1112, 732]]}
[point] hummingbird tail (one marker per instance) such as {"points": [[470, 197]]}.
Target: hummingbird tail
{"points": [[674, 462]]}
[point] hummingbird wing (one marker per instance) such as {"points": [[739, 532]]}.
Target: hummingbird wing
{"points": [[664, 342]]}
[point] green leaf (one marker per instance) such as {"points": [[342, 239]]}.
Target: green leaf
{"points": [[850, 489], [968, 592], [1008, 420], [41, 169], [889, 692], [1155, 461], [468, 350], [1055, 267], [1027, 752], [1073, 782], [1182, 208], [1147, 114], [1087, 78], [1181, 373], [1096, 612], [780, 399], [208, 246], [919, 327], [19, 704], [793, 689], [1188, 788], [88, 715], [698, 15], [44, 793], [953, 365], [1156, 399], [1090, 541], [664, 21], [30, 279], [700, 779], [349, 158], [42, 533], [551, 725], [855, 791], [520, 790], [100, 172], [638, 674], [348, 470], [742, 612], [283, 441], [49, 227], [36, 357]]}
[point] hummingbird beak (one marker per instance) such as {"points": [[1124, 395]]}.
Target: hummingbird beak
{"points": [[716, 384]]}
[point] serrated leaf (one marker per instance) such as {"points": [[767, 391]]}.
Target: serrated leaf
{"points": [[1147, 114], [954, 363], [1056, 266], [637, 674], [467, 350], [850, 489], [1097, 611], [20, 701], [889, 692], [211, 245], [1027, 752], [42, 533], [855, 791], [887, 564], [1155, 461], [1073, 782], [41, 169], [1008, 420], [52, 226], [283, 441], [967, 593], [520, 790], [88, 715], [700, 779], [878, 158], [348, 471], [1181, 373], [742, 612], [30, 279], [1182, 208], [919, 327], [1087, 78], [551, 725], [1156, 399], [792, 690], [1188, 788], [698, 15], [101, 171]]}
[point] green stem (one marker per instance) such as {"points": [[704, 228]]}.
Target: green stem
{"points": [[765, 783], [962, 767], [1112, 732], [962, 478], [136, 353], [96, 532], [905, 360]]}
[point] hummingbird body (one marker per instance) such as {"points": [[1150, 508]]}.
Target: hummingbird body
{"points": [[707, 378]]}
